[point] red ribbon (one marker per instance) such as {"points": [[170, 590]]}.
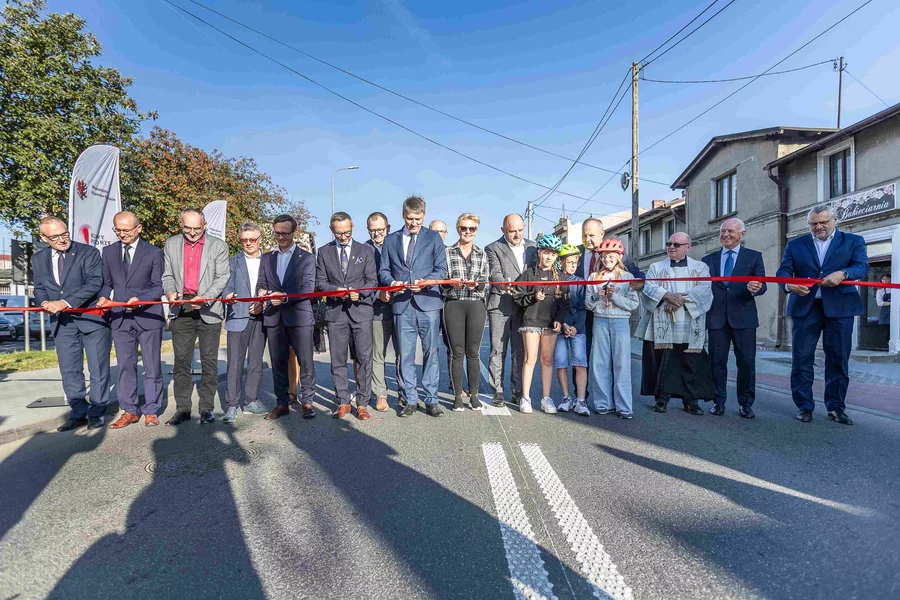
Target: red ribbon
{"points": [[808, 282]]}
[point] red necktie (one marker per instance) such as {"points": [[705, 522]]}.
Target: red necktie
{"points": [[593, 263]]}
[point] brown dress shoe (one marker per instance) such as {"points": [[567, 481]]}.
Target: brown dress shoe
{"points": [[308, 412], [279, 411], [362, 414], [125, 420], [342, 411], [151, 421], [381, 404]]}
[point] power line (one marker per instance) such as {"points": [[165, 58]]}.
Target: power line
{"points": [[368, 110], [674, 35], [829, 61], [865, 86], [844, 18], [692, 32], [398, 94]]}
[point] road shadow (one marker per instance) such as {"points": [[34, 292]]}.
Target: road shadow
{"points": [[183, 537]]}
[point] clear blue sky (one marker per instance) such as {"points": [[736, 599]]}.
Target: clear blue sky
{"points": [[540, 71]]}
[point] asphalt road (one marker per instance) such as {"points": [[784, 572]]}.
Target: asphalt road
{"points": [[465, 506], [8, 346]]}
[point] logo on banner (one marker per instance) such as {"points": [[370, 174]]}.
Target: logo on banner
{"points": [[85, 234], [81, 190]]}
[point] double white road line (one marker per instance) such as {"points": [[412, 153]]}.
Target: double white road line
{"points": [[528, 574]]}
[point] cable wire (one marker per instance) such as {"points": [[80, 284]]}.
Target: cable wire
{"points": [[368, 110], [674, 35], [865, 86], [844, 18], [692, 32], [398, 94], [829, 61]]}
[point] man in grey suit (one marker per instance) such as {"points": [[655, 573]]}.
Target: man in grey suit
{"points": [[383, 320], [69, 274], [196, 269], [507, 258], [346, 264], [244, 324]]}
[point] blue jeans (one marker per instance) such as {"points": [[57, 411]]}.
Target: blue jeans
{"points": [[610, 371], [410, 326], [570, 352]]}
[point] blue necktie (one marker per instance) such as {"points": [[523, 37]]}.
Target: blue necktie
{"points": [[410, 249], [729, 266]]}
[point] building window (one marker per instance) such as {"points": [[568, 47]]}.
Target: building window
{"points": [[838, 173], [725, 196], [645, 241], [668, 230]]}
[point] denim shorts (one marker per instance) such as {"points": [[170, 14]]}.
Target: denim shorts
{"points": [[570, 352]]}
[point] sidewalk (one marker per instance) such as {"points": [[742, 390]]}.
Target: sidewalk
{"points": [[17, 390], [873, 386]]}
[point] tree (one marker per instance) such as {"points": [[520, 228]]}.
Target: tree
{"points": [[162, 175], [54, 103]]}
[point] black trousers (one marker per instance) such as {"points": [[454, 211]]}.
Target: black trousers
{"points": [[744, 342], [464, 324], [281, 338], [186, 328], [343, 335]]}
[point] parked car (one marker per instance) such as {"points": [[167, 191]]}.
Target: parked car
{"points": [[18, 319], [8, 331]]}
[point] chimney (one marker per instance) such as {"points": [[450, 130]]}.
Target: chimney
{"points": [[659, 204]]}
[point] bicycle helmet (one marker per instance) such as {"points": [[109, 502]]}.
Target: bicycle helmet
{"points": [[611, 245], [569, 250], [549, 241]]}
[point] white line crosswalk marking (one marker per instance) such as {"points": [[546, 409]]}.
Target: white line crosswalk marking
{"points": [[596, 565], [526, 567]]}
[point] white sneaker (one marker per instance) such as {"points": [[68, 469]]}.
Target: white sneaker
{"points": [[581, 408], [548, 406], [525, 406], [566, 405]]}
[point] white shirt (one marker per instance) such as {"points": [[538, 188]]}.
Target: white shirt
{"points": [[129, 248], [253, 270], [282, 260], [518, 253], [822, 250], [725, 251]]}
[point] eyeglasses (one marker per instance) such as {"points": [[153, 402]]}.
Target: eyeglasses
{"points": [[61, 236], [123, 231], [342, 234], [250, 240], [378, 231], [675, 245], [464, 229], [192, 229], [819, 223]]}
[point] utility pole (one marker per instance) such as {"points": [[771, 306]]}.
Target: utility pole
{"points": [[635, 192], [840, 89], [529, 211]]}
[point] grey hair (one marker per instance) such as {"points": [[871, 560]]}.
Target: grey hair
{"points": [[188, 211], [743, 228], [248, 226], [819, 209], [49, 220]]}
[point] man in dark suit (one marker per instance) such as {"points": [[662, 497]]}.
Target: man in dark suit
{"points": [[348, 265], [507, 258], [132, 272], [289, 321], [383, 319], [825, 310], [732, 319], [69, 275], [244, 326], [409, 256]]}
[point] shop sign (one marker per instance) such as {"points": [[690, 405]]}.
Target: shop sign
{"points": [[866, 203]]}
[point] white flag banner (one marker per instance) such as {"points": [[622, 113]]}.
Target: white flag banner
{"points": [[214, 213], [94, 197]]}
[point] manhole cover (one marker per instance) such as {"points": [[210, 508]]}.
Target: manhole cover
{"points": [[199, 463]]}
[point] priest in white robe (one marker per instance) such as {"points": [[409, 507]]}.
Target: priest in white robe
{"points": [[673, 327]]}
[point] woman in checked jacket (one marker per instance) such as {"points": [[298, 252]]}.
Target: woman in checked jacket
{"points": [[464, 308]]}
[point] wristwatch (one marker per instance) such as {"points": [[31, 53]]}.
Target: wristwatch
{"points": [[844, 273]]}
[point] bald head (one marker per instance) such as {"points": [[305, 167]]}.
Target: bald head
{"points": [[678, 246], [440, 227], [591, 233], [513, 229]]}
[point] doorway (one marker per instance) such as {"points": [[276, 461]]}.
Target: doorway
{"points": [[874, 334]]}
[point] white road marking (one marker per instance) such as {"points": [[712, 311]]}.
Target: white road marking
{"points": [[596, 565], [528, 576]]}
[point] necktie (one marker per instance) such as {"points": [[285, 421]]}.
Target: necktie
{"points": [[593, 264], [59, 267], [126, 260], [729, 266], [410, 249], [345, 260]]}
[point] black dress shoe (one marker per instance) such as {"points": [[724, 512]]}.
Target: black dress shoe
{"points": [[71, 424], [498, 400], [95, 422], [401, 401], [693, 408], [206, 416], [409, 410], [747, 412], [434, 410], [804, 416], [178, 418], [840, 416], [718, 410], [660, 406]]}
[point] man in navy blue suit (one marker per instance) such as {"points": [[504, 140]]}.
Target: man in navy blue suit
{"points": [[825, 310], [69, 275], [409, 256], [289, 322], [132, 272], [732, 320]]}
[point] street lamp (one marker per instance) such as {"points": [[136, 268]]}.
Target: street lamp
{"points": [[332, 183]]}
